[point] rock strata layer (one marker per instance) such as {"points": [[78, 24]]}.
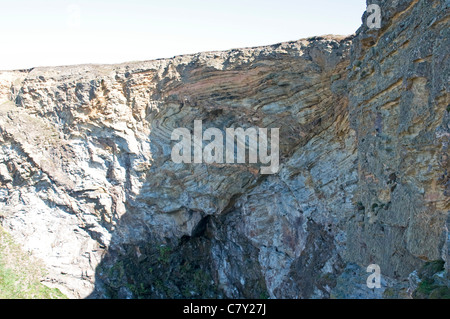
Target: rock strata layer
{"points": [[88, 185]]}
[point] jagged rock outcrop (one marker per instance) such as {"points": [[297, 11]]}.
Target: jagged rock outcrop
{"points": [[88, 184], [399, 109]]}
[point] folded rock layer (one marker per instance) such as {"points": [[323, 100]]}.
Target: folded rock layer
{"points": [[89, 186]]}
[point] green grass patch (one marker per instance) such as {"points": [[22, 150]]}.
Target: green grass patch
{"points": [[429, 288], [20, 274]]}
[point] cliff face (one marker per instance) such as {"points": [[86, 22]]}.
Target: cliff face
{"points": [[398, 91], [88, 184]]}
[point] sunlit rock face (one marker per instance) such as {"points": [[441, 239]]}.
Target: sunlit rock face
{"points": [[399, 109], [88, 183]]}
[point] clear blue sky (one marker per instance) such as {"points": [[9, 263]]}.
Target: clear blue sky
{"points": [[62, 32]]}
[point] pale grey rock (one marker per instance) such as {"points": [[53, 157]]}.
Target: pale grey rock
{"points": [[88, 185]]}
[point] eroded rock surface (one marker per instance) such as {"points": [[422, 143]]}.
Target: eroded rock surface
{"points": [[88, 184]]}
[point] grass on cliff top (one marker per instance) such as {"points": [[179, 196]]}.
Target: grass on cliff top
{"points": [[20, 274]]}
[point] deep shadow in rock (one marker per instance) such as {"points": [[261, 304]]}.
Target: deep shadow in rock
{"points": [[185, 268]]}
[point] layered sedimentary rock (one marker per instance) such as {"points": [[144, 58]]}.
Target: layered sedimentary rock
{"points": [[398, 84], [89, 186]]}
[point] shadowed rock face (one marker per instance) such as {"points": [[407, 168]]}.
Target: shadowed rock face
{"points": [[88, 184]]}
